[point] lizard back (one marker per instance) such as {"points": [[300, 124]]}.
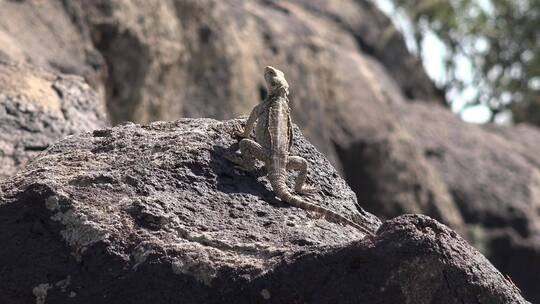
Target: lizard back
{"points": [[274, 129]]}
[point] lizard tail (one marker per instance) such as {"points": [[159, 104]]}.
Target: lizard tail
{"points": [[280, 189]]}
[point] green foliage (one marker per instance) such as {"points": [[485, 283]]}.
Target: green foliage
{"points": [[501, 38]]}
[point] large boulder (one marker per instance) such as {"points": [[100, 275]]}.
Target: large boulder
{"points": [[203, 58], [156, 213], [493, 174], [37, 108], [46, 34], [354, 87], [170, 59]]}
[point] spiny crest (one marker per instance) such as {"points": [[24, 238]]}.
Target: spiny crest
{"points": [[275, 81]]}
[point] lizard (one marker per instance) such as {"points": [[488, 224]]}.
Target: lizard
{"points": [[271, 120]]}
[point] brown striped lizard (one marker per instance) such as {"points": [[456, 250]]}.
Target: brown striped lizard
{"points": [[271, 120]]}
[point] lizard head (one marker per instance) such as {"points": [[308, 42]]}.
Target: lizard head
{"points": [[275, 81]]}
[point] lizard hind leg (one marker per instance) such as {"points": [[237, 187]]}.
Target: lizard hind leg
{"points": [[300, 164], [251, 150]]}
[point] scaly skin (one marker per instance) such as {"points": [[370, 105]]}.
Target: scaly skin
{"points": [[273, 133]]}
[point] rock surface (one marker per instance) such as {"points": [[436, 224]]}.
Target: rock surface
{"points": [[45, 34], [37, 108], [175, 58], [203, 58], [155, 213], [493, 174], [356, 94]]}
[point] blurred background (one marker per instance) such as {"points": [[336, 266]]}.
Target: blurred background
{"points": [[482, 53], [425, 106]]}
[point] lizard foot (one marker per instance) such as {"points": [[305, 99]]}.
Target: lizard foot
{"points": [[307, 190], [314, 215], [237, 131]]}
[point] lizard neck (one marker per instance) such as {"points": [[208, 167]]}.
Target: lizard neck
{"points": [[276, 96], [276, 92]]}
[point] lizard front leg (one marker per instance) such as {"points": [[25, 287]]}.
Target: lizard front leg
{"points": [[250, 151], [250, 124], [300, 164]]}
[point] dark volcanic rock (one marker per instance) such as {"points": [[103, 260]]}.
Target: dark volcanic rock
{"points": [[37, 108], [138, 214], [493, 174]]}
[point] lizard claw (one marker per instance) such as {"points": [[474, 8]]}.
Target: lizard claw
{"points": [[307, 190], [237, 131]]}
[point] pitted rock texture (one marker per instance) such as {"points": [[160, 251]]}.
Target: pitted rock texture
{"points": [[412, 259], [134, 191], [155, 213], [37, 108]]}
